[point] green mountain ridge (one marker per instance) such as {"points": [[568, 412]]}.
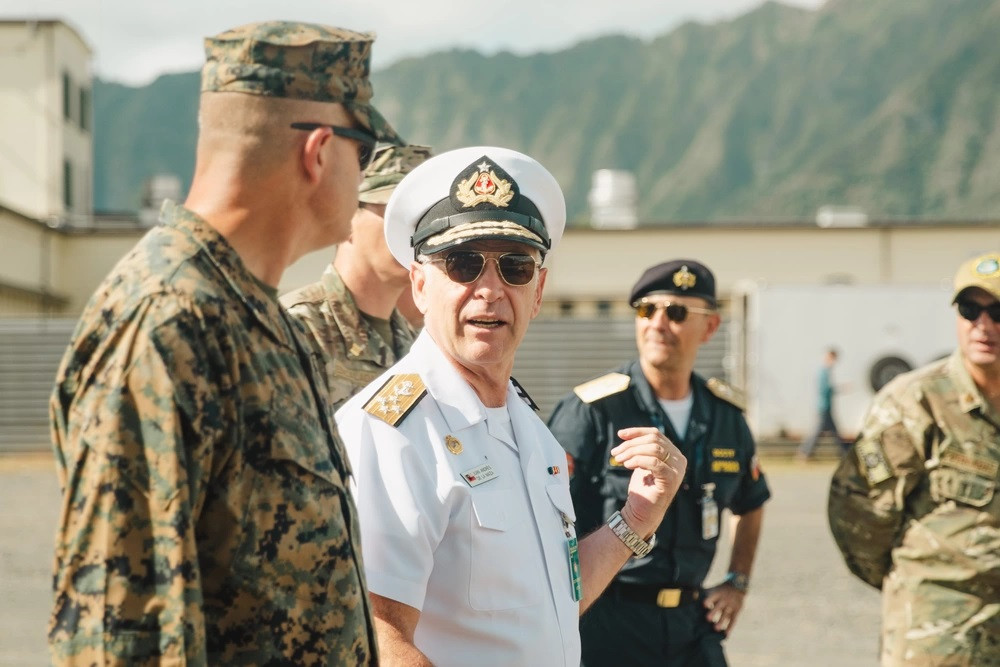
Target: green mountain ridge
{"points": [[892, 106]]}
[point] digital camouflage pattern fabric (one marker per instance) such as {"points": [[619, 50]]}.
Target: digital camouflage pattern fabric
{"points": [[354, 353], [297, 60], [915, 511], [390, 165], [206, 515]]}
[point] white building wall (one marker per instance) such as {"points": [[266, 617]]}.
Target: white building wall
{"points": [[35, 137]]}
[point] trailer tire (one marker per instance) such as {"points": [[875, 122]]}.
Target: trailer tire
{"points": [[885, 369]]}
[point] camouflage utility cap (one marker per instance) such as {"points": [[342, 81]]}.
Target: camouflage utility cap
{"points": [[391, 163], [302, 61], [982, 272]]}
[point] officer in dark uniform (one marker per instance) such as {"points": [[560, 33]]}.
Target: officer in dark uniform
{"points": [[656, 612]]}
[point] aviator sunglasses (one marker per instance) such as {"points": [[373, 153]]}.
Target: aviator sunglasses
{"points": [[366, 142], [971, 310], [465, 266], [676, 312]]}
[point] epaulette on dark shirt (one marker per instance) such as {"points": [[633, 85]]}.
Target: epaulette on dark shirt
{"points": [[727, 392], [606, 385]]}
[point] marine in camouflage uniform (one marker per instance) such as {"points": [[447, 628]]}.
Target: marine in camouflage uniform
{"points": [[206, 516], [358, 344], [914, 508]]}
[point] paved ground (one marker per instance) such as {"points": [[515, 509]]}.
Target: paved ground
{"points": [[804, 608]]}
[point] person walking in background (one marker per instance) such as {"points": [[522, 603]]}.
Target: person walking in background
{"points": [[471, 552], [915, 507], [827, 425], [656, 611], [351, 312], [206, 516]]}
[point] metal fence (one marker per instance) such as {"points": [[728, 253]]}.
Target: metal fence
{"points": [[556, 355], [30, 351]]}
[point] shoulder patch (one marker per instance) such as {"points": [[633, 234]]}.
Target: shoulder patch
{"points": [[727, 392], [394, 400], [606, 385], [872, 461]]}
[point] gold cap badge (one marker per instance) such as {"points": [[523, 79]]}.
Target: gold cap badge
{"points": [[684, 279], [484, 187]]}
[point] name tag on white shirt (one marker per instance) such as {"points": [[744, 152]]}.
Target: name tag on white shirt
{"points": [[479, 475]]}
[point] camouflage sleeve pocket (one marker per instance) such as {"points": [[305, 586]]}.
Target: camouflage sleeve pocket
{"points": [[964, 487]]}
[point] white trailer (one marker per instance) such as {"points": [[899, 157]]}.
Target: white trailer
{"points": [[779, 333]]}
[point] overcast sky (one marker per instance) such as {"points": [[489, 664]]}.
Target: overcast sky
{"points": [[134, 41]]}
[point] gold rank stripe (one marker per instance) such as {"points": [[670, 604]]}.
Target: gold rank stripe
{"points": [[977, 466], [396, 398], [725, 466], [724, 453]]}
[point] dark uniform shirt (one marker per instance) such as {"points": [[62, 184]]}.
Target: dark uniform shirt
{"points": [[718, 447], [206, 515]]}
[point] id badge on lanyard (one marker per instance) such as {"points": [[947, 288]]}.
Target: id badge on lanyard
{"points": [[709, 513], [573, 552]]}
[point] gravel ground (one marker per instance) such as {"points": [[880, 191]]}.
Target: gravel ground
{"points": [[804, 608]]}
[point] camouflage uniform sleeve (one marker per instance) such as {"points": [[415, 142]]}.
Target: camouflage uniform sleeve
{"points": [[868, 493], [127, 581]]}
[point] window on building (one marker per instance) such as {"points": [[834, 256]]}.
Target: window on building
{"points": [[603, 308], [67, 97], [85, 109], [68, 184], [566, 308]]}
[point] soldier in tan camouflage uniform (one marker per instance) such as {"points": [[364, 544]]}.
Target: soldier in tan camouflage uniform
{"points": [[206, 516], [351, 312], [915, 507]]}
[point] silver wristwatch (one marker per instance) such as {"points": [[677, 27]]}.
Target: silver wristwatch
{"points": [[639, 546], [737, 580]]}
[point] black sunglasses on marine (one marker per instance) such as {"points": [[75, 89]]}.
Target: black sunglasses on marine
{"points": [[676, 312], [465, 266], [971, 310], [366, 142]]}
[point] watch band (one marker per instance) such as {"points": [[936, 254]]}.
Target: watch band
{"points": [[639, 546], [738, 580]]}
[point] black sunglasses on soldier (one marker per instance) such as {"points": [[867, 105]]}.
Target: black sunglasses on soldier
{"points": [[465, 266], [676, 312], [366, 141], [971, 310]]}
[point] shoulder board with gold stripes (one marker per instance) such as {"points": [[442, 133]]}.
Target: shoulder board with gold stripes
{"points": [[394, 400], [727, 392], [606, 385]]}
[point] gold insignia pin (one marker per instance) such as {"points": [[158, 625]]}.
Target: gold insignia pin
{"points": [[684, 279], [484, 186], [614, 462], [453, 444]]}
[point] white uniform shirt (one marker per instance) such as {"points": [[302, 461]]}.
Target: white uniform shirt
{"points": [[485, 563]]}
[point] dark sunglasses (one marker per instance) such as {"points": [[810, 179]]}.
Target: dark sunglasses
{"points": [[676, 312], [465, 266], [971, 310], [366, 142]]}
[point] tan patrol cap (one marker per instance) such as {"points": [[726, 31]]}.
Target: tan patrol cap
{"points": [[982, 272], [303, 61]]}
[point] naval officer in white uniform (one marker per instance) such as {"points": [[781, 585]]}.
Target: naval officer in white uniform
{"points": [[470, 551]]}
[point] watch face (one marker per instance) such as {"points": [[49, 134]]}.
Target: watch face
{"points": [[738, 580]]}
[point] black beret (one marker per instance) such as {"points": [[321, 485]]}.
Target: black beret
{"points": [[680, 276]]}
